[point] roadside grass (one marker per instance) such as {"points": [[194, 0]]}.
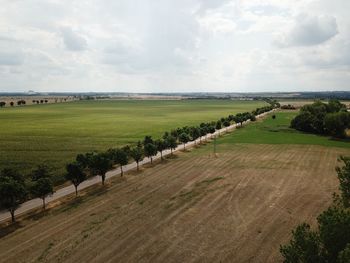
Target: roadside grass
{"points": [[277, 131], [55, 133]]}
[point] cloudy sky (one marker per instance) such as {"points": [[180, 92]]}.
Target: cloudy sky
{"points": [[174, 45]]}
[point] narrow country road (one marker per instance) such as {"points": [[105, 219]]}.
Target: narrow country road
{"points": [[37, 203]]}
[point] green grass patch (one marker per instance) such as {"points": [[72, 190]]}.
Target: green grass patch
{"points": [[55, 133], [277, 131]]}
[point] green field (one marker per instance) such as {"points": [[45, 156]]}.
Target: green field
{"points": [[55, 133], [277, 131]]}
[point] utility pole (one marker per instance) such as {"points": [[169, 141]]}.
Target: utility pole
{"points": [[214, 144]]}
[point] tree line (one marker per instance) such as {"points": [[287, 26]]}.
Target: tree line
{"points": [[15, 188], [330, 118], [330, 241]]}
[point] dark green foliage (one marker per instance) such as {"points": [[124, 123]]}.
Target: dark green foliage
{"points": [[99, 165], [262, 110], [344, 256], [344, 180], [334, 231], [336, 123], [150, 150], [137, 154], [195, 133], [147, 139], [226, 123], [120, 157], [13, 191], [335, 106], [2, 104], [304, 247], [41, 188], [75, 174], [42, 171], [161, 146], [322, 118], [171, 143], [84, 159], [184, 138], [330, 243]]}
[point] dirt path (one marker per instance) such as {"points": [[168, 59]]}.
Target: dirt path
{"points": [[237, 207], [37, 203]]}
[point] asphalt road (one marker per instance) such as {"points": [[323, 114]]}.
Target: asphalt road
{"points": [[37, 203]]}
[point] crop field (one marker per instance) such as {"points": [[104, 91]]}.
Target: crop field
{"points": [[238, 206], [55, 133]]}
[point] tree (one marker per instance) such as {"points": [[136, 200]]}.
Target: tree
{"points": [[335, 106], [2, 104], [13, 191], [322, 118], [171, 143], [203, 131], [84, 160], [184, 138], [330, 242], [195, 133], [42, 184], [344, 255], [303, 122], [304, 247], [344, 180], [42, 188], [226, 123], [336, 123], [75, 174], [42, 171], [99, 165], [12, 103], [161, 146], [137, 154], [150, 150], [218, 125], [147, 139], [121, 158]]}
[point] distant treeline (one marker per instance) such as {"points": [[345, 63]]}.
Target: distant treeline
{"points": [[330, 118], [15, 188]]}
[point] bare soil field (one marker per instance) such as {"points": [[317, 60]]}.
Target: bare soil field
{"points": [[236, 207]]}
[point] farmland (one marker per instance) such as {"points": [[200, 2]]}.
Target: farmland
{"points": [[238, 206], [55, 133]]}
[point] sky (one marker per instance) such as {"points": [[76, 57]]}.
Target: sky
{"points": [[174, 45]]}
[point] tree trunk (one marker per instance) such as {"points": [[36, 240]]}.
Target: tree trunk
{"points": [[44, 206], [151, 160], [161, 155], [184, 147], [13, 219], [137, 164], [121, 170], [103, 179], [171, 151], [76, 190]]}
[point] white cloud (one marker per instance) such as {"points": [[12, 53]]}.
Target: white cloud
{"points": [[184, 45], [72, 40], [310, 30]]}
